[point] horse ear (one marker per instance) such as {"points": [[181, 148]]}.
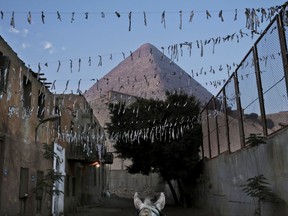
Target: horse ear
{"points": [[137, 202], [160, 203]]}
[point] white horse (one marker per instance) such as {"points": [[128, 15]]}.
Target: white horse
{"points": [[147, 208]]}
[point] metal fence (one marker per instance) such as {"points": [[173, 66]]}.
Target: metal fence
{"points": [[254, 99]]}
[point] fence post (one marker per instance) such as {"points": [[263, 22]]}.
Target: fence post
{"points": [[226, 122], [216, 126], [283, 45], [239, 107], [260, 90], [208, 129]]}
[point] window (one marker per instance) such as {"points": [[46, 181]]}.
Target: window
{"points": [[57, 122], [41, 105], [27, 93], [39, 185], [39, 190], [24, 178], [23, 189], [73, 186], [4, 69]]}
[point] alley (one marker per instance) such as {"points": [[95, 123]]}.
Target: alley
{"points": [[124, 207]]}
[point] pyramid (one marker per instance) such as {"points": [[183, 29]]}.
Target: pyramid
{"points": [[146, 73]]}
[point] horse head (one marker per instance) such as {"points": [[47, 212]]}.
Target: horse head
{"points": [[147, 208]]}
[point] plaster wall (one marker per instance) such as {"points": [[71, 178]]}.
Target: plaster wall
{"points": [[221, 189], [125, 184]]}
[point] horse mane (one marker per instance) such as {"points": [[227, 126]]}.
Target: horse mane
{"points": [[147, 201]]}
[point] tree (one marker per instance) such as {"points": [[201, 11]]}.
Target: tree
{"points": [[160, 136]]}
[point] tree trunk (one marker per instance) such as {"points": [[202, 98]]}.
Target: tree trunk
{"points": [[258, 209], [182, 193], [176, 201]]}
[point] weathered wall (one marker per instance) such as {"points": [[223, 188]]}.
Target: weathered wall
{"points": [[125, 184], [221, 183], [21, 149]]}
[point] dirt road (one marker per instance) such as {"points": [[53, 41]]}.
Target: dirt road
{"points": [[124, 207]]}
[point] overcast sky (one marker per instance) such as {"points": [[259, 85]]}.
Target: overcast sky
{"points": [[77, 42]]}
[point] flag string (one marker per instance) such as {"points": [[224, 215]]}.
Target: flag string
{"points": [[254, 16]]}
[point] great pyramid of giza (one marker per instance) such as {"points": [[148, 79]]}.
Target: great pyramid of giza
{"points": [[146, 73]]}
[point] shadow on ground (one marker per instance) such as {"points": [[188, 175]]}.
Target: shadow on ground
{"points": [[120, 206]]}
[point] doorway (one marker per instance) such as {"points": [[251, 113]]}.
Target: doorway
{"points": [[59, 168]]}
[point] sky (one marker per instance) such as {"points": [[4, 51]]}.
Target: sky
{"points": [[75, 42]]}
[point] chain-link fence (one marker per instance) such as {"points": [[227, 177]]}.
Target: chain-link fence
{"points": [[254, 99]]}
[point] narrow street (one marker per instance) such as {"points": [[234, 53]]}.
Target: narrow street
{"points": [[124, 207]]}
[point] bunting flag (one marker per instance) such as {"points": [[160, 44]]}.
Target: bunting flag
{"points": [[12, 22], [43, 17], [59, 64], [174, 53], [130, 17], [53, 85], [117, 14], [221, 16], [191, 16], [29, 17], [71, 65], [180, 14], [208, 15], [78, 89], [79, 64], [236, 14], [145, 18], [100, 60], [72, 18], [67, 83], [163, 21], [59, 16]]}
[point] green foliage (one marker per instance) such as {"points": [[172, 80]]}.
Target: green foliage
{"points": [[259, 187], [255, 140], [51, 177], [49, 153], [47, 183], [158, 136]]}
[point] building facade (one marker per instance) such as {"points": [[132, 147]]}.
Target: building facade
{"points": [[52, 148]]}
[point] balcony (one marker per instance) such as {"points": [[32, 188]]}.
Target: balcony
{"points": [[81, 154]]}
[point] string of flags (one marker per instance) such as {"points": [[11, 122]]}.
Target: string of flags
{"points": [[174, 51], [172, 129], [194, 74], [163, 132], [254, 16]]}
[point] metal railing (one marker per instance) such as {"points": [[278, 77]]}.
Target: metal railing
{"points": [[254, 99]]}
